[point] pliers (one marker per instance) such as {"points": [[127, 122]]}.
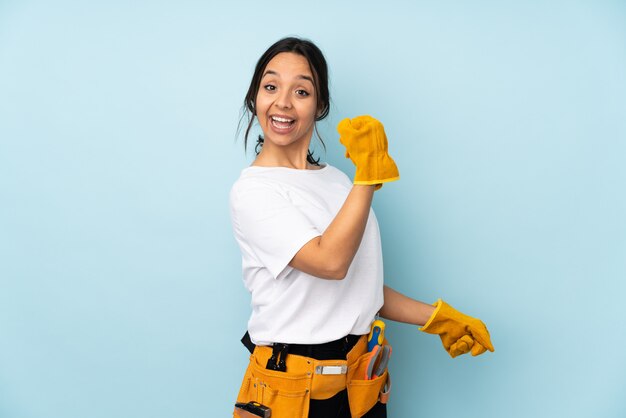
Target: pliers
{"points": [[377, 363]]}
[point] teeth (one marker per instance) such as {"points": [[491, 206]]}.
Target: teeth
{"points": [[277, 119]]}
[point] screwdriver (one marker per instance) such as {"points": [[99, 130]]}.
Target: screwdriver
{"points": [[377, 335]]}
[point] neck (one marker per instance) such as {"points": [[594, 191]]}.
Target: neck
{"points": [[294, 156]]}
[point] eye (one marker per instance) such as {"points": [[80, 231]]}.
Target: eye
{"points": [[269, 87], [302, 93]]}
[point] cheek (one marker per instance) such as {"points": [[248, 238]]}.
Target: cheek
{"points": [[261, 106], [261, 115], [311, 113]]}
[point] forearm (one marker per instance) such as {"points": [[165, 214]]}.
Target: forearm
{"points": [[401, 308]]}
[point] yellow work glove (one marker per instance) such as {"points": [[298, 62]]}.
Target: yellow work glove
{"points": [[459, 333], [366, 145]]}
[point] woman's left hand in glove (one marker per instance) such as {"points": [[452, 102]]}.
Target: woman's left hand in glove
{"points": [[459, 333]]}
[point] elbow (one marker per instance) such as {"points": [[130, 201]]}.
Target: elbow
{"points": [[329, 272], [337, 275], [319, 261], [336, 263], [337, 271]]}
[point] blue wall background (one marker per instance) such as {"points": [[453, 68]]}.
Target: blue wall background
{"points": [[120, 291]]}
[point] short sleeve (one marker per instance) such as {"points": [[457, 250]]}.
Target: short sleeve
{"points": [[269, 224]]}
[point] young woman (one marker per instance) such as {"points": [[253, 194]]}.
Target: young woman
{"points": [[311, 253]]}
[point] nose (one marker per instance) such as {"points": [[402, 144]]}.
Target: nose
{"points": [[283, 100]]}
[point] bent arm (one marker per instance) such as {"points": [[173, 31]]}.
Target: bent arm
{"points": [[401, 308], [329, 256]]}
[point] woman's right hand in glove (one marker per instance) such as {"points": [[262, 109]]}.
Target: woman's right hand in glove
{"points": [[366, 145]]}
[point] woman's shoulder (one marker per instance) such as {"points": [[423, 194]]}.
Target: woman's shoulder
{"points": [[335, 174], [248, 181], [255, 183]]}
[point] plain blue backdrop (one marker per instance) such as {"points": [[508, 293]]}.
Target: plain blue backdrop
{"points": [[120, 282]]}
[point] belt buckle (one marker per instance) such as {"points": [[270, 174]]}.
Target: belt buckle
{"points": [[277, 360]]}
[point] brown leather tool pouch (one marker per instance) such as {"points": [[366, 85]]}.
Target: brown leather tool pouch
{"points": [[364, 394], [288, 393]]}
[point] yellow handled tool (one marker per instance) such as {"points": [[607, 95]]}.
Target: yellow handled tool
{"points": [[377, 335]]}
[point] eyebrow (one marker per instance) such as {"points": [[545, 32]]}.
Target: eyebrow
{"points": [[301, 76]]}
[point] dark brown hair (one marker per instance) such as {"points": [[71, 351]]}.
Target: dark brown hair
{"points": [[318, 66]]}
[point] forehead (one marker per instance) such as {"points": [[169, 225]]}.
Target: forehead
{"points": [[289, 64]]}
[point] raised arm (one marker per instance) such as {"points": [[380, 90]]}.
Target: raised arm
{"points": [[329, 256]]}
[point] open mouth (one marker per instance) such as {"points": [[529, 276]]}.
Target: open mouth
{"points": [[281, 123]]}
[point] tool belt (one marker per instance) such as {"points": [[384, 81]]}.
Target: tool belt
{"points": [[288, 392]]}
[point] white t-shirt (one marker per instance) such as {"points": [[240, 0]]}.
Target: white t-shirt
{"points": [[274, 212]]}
